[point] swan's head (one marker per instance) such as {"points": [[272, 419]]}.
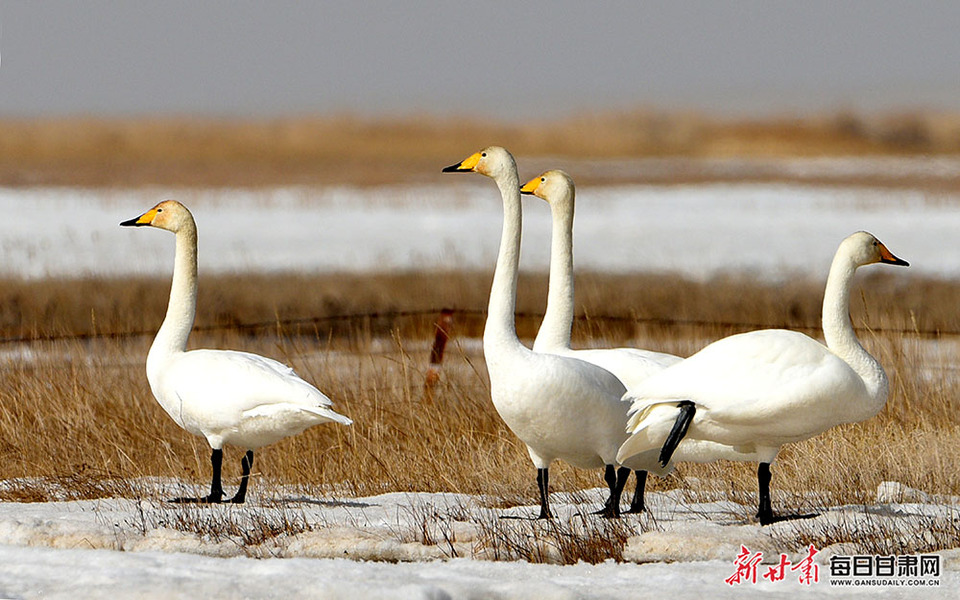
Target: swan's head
{"points": [[492, 161], [169, 215], [864, 249], [556, 187]]}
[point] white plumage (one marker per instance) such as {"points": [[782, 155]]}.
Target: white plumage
{"points": [[756, 391], [630, 365], [227, 397], [238, 398], [560, 407]]}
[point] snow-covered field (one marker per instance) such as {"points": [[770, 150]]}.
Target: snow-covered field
{"points": [[376, 547], [772, 230]]}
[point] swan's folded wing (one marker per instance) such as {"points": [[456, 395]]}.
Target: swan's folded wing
{"points": [[270, 410], [763, 382], [631, 365], [740, 370], [239, 382]]}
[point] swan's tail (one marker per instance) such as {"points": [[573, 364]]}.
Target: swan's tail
{"points": [[654, 428], [328, 414], [679, 429]]}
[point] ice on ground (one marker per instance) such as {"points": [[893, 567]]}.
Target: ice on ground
{"points": [[68, 574], [285, 544], [771, 230]]}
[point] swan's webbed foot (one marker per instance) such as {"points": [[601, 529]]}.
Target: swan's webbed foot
{"points": [[764, 511], [616, 479], [216, 487], [210, 499], [770, 518], [246, 464], [609, 511]]}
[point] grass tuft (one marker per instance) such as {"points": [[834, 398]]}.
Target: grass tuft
{"points": [[77, 420]]}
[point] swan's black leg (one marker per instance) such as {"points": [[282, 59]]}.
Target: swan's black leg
{"points": [[636, 503], [246, 463], [685, 416], [543, 483], [764, 512], [216, 486], [616, 479]]}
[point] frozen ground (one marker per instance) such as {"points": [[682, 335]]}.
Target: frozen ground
{"points": [[772, 230], [419, 545], [437, 545]]}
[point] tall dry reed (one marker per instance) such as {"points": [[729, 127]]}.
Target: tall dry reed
{"points": [[79, 411]]}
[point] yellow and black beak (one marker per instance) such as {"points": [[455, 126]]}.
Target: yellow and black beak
{"points": [[887, 257], [531, 186], [144, 220], [465, 166]]}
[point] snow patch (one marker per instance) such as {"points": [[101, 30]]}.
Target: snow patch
{"points": [[772, 230], [416, 545]]}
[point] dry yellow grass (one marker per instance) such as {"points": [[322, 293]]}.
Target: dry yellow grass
{"points": [[77, 419], [80, 412], [665, 305], [346, 149]]}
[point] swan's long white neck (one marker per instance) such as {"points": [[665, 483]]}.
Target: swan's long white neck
{"points": [[558, 321], [501, 326], [182, 308], [838, 330]]}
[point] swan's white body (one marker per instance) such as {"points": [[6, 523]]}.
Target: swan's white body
{"points": [[757, 391], [630, 365], [237, 398], [227, 397], [560, 407]]}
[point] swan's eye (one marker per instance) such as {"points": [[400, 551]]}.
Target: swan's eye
{"points": [[542, 179], [484, 154], [159, 210]]}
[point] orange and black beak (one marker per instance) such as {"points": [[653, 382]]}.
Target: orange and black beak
{"points": [[531, 186], [887, 257], [465, 166], [144, 220]]}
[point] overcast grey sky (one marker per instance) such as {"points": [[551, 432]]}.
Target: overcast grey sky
{"points": [[488, 58]]}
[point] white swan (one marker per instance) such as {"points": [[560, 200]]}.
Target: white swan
{"points": [[227, 397], [630, 365], [759, 390], [560, 407]]}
